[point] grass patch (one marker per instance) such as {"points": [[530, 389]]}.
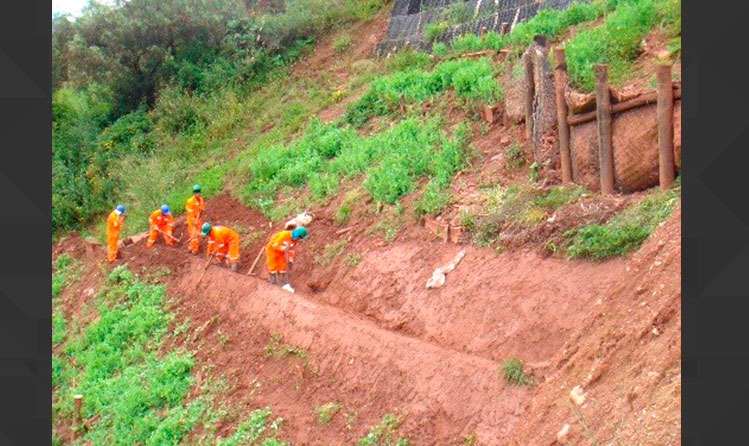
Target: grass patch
{"points": [[325, 412], [65, 270], [353, 259], [392, 161], [275, 348], [330, 252], [617, 42], [135, 393], [432, 200], [558, 196], [626, 230], [512, 369], [341, 43], [470, 79], [383, 433]]}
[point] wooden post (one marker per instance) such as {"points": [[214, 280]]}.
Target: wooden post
{"points": [[665, 126], [563, 128], [505, 28], [603, 116], [77, 418], [529, 94]]}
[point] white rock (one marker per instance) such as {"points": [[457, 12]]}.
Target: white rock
{"points": [[577, 396], [563, 432]]}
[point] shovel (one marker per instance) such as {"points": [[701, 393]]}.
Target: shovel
{"points": [[205, 270], [252, 268], [177, 240]]}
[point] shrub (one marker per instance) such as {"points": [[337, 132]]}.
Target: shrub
{"points": [[383, 433], [514, 156]]}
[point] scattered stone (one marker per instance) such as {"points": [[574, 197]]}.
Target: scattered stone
{"points": [[563, 432], [655, 331], [577, 396]]}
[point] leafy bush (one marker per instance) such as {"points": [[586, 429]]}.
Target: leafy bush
{"points": [[514, 156], [560, 195]]}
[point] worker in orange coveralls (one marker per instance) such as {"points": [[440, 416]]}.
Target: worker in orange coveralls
{"points": [[114, 224], [222, 241], [194, 211], [160, 221], [279, 254]]}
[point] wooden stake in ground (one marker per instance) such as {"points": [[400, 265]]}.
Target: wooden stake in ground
{"points": [[563, 128], [605, 141], [77, 417], [665, 126], [529, 94], [249, 273]]}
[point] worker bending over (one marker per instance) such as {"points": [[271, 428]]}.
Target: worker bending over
{"points": [[114, 224], [160, 221], [194, 211], [279, 254], [222, 241]]}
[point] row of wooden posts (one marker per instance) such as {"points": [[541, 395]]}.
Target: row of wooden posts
{"points": [[603, 116]]}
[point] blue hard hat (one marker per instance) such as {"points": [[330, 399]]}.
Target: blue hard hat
{"points": [[299, 232], [120, 208], [164, 209]]}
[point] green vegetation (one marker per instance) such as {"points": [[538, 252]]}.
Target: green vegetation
{"points": [[145, 109], [617, 41], [560, 195], [404, 153], [341, 43], [353, 259], [383, 433], [135, 393], [331, 251], [471, 79], [275, 348], [512, 368], [626, 230], [514, 156], [65, 270], [325, 412]]}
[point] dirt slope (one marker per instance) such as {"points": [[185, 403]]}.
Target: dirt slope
{"points": [[377, 341]]}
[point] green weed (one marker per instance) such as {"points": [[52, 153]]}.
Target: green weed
{"points": [[65, 270], [512, 368], [325, 412], [341, 43], [275, 348], [353, 259], [383, 433]]}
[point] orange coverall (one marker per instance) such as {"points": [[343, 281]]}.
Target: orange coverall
{"points": [[223, 240], [194, 211], [275, 255], [163, 223], [114, 223]]}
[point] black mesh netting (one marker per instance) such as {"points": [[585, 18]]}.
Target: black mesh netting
{"points": [[410, 17]]}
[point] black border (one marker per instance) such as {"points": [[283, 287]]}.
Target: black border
{"points": [[715, 229], [25, 222]]}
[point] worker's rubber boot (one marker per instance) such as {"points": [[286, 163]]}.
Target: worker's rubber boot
{"points": [[272, 278], [233, 267]]}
